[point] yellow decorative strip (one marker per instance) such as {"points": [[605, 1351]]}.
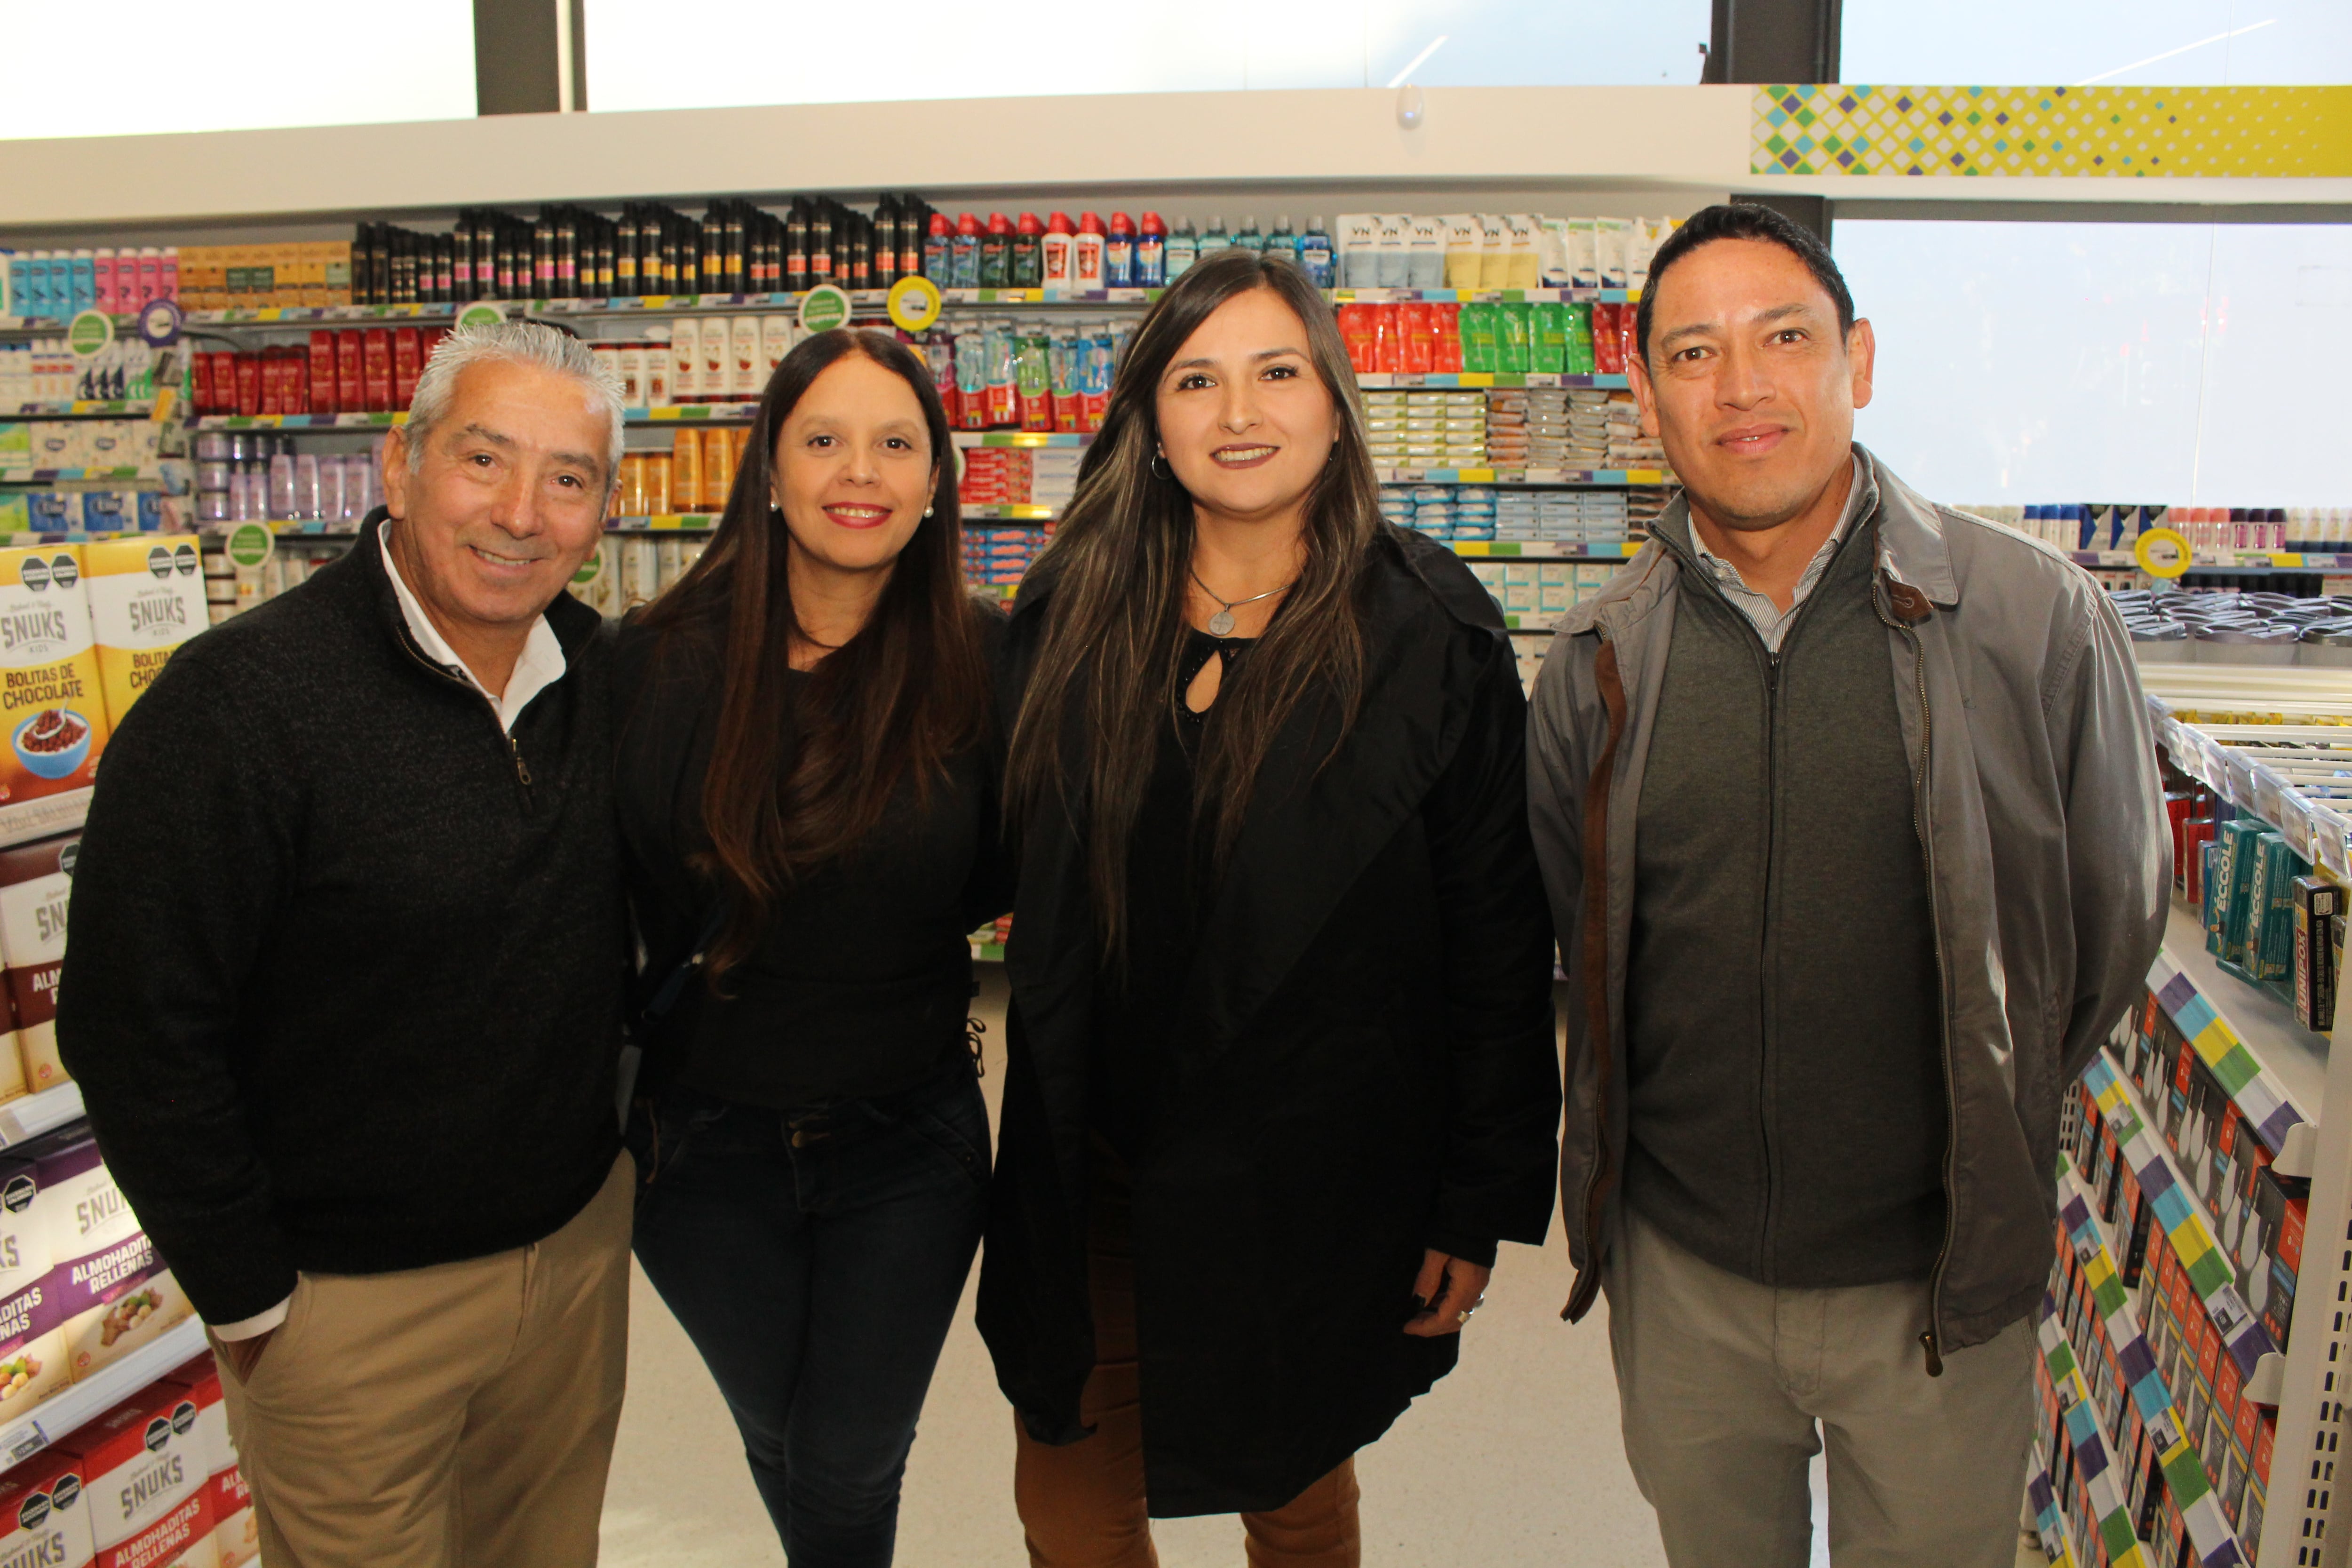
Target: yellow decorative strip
{"points": [[2123, 131]]}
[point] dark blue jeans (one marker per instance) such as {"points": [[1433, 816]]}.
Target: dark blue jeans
{"points": [[817, 1258]]}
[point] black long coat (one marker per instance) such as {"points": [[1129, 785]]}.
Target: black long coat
{"points": [[1364, 1067]]}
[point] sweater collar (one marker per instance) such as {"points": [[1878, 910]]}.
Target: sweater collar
{"points": [[573, 622]]}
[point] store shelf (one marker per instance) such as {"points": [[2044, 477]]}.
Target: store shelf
{"points": [[2189, 1228], [2184, 1469], [1547, 548], [1001, 512], [1526, 479], [82, 408], [60, 1414], [664, 522], [2228, 758], [22, 821], [30, 1116], [2274, 1068], [1484, 296], [2093, 1463], [970, 439], [379, 420], [1436, 379], [694, 413], [54, 476]]}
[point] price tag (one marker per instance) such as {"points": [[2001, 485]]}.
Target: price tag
{"points": [[822, 309], [2162, 552], [251, 545], [481, 313], [90, 332], [913, 304]]}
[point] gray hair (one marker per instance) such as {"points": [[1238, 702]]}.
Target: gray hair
{"points": [[510, 343]]}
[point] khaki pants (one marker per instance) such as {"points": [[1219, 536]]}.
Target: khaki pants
{"points": [[1083, 1505], [1722, 1382], [457, 1417]]}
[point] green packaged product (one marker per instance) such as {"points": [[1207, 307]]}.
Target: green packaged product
{"points": [[2271, 957], [1478, 338], [1579, 338], [1513, 330], [2239, 838], [1548, 345]]}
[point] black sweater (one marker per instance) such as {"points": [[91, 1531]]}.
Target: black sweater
{"points": [[862, 980], [344, 970]]}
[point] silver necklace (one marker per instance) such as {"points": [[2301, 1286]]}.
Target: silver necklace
{"points": [[1221, 625]]}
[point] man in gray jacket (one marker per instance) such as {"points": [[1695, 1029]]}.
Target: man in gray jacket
{"points": [[1848, 810]]}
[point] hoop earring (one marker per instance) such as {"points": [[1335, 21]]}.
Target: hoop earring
{"points": [[1156, 472]]}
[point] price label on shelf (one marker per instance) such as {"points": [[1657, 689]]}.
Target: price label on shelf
{"points": [[822, 309], [913, 303]]}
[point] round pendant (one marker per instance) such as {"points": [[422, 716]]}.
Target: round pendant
{"points": [[1221, 624]]}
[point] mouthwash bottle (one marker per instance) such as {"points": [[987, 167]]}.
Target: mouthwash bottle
{"points": [[1183, 250], [1282, 242], [1214, 238], [1150, 252], [1250, 238], [1314, 254]]}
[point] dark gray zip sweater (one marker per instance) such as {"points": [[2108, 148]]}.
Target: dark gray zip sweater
{"points": [[1781, 1021], [345, 963]]}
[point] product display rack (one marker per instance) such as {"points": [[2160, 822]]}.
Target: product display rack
{"points": [[2090, 1462], [58, 1415], [2041, 1496]]}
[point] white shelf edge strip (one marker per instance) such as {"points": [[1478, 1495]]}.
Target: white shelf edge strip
{"points": [[57, 1417], [31, 1115]]}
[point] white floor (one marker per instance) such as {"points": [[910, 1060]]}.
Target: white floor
{"points": [[1512, 1462]]}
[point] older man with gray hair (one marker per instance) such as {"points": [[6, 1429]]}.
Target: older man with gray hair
{"points": [[345, 993]]}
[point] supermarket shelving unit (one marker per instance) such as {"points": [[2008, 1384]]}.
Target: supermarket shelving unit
{"points": [[58, 1415]]}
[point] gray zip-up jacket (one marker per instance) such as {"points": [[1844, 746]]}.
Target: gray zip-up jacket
{"points": [[2039, 816]]}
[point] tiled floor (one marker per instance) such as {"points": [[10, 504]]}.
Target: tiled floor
{"points": [[1513, 1462]]}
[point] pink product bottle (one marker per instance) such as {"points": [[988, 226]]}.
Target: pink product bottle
{"points": [[102, 273], [167, 281]]}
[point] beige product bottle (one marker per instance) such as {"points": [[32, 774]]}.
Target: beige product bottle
{"points": [[632, 361], [718, 361], [684, 360], [658, 367], [751, 372], [775, 342]]}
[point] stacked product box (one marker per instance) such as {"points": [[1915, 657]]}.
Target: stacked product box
{"points": [[45, 1504], [148, 1481], [996, 476], [51, 707], [236, 1533], [1426, 429], [112, 1291], [1547, 589], [79, 444], [999, 557], [352, 370], [33, 1362], [247, 277], [35, 890], [1002, 375]]}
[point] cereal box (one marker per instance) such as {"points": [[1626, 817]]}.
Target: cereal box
{"points": [[146, 598], [45, 1513], [36, 884], [149, 1486], [52, 712]]}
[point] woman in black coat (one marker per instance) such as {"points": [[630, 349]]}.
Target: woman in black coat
{"points": [[1282, 1065]]}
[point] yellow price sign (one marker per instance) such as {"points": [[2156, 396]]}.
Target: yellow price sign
{"points": [[2162, 552], [913, 303]]}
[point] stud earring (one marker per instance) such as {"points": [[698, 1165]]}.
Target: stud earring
{"points": [[926, 511]]}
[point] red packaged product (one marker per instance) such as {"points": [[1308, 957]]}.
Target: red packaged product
{"points": [[429, 339], [322, 372], [294, 389], [1445, 349], [1387, 340], [1608, 344], [1420, 338], [1356, 331], [406, 362], [272, 377], [350, 381], [200, 381], [378, 364], [249, 385]]}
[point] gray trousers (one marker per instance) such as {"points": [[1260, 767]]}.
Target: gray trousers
{"points": [[1723, 1382]]}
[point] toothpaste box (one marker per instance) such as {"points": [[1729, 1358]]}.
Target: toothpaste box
{"points": [[45, 1513], [36, 885], [146, 598], [236, 1533], [149, 1485]]}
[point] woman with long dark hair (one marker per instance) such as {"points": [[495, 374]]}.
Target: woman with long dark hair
{"points": [[807, 786], [1282, 1062]]}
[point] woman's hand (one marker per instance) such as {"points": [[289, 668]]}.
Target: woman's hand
{"points": [[1452, 1289]]}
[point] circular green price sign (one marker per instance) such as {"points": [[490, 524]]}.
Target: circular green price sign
{"points": [[481, 313], [88, 332], [250, 544], [822, 309]]}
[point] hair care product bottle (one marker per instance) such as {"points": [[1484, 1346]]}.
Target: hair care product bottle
{"points": [[1249, 238], [1028, 251], [1059, 240], [1314, 254], [886, 218], [1183, 250], [966, 274], [1119, 253], [1087, 253], [939, 264], [1283, 242], [1214, 238], [914, 223], [996, 253], [1151, 252]]}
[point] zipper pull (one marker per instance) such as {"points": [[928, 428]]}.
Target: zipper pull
{"points": [[522, 769], [1935, 1362]]}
